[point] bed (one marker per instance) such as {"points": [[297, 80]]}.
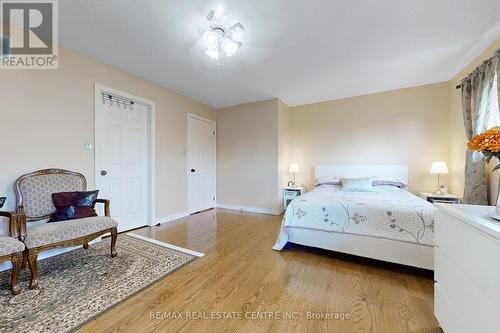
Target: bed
{"points": [[388, 223]]}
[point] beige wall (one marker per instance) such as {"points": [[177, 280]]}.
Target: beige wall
{"points": [[457, 137], [247, 155], [407, 126], [257, 141], [46, 116], [283, 147]]}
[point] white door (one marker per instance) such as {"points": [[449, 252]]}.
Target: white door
{"points": [[201, 164], [122, 162]]}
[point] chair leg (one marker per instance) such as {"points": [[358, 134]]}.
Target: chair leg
{"points": [[32, 263], [25, 259], [17, 261], [114, 235], [85, 246]]}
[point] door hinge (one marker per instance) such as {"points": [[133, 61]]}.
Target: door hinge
{"points": [[213, 132], [213, 198]]}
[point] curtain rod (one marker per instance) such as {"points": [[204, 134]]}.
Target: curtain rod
{"points": [[496, 54]]}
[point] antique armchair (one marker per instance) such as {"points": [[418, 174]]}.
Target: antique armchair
{"points": [[34, 203], [12, 249]]}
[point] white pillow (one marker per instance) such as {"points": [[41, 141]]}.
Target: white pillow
{"points": [[362, 184], [328, 180]]}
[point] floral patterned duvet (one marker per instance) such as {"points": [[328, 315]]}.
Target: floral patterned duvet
{"points": [[387, 212]]}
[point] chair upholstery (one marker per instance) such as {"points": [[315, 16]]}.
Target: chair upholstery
{"points": [[54, 232], [37, 190], [9, 245]]}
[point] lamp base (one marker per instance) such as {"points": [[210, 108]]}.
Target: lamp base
{"points": [[443, 191]]}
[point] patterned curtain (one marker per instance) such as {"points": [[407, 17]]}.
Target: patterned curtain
{"points": [[480, 107]]}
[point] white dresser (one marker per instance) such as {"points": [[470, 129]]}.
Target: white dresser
{"points": [[467, 269]]}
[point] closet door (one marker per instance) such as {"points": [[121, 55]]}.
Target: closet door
{"points": [[122, 162]]}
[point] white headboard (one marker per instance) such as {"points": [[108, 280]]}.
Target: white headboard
{"points": [[390, 171]]}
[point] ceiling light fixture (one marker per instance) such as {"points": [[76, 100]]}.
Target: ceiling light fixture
{"points": [[222, 37]]}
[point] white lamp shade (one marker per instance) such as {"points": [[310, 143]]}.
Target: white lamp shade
{"points": [[439, 168], [294, 167]]}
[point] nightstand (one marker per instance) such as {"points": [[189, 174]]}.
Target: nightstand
{"points": [[440, 198], [290, 193]]}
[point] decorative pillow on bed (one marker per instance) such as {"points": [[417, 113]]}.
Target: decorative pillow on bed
{"points": [[387, 182], [328, 180], [362, 184]]}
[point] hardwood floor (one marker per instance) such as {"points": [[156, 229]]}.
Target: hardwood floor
{"points": [[240, 274]]}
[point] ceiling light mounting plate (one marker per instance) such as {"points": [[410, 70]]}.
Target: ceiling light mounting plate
{"points": [[220, 30]]}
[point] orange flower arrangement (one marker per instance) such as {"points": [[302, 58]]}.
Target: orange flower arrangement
{"points": [[488, 143]]}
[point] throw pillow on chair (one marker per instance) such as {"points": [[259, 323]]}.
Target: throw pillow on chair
{"points": [[74, 205]]}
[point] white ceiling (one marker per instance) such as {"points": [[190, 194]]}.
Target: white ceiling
{"points": [[299, 51]]}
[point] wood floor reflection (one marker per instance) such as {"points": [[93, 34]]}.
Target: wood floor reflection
{"points": [[241, 275]]}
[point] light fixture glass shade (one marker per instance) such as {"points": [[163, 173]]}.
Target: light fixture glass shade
{"points": [[212, 38], [237, 32], [219, 12], [213, 53], [439, 168], [229, 46], [294, 167], [237, 36]]}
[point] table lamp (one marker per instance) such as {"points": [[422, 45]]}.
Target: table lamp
{"points": [[439, 168], [294, 168]]}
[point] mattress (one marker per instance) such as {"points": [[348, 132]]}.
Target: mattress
{"points": [[388, 212]]}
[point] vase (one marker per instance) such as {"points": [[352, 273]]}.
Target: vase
{"points": [[498, 198]]}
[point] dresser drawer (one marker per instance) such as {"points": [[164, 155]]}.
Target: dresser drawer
{"points": [[449, 320], [479, 311], [475, 254]]}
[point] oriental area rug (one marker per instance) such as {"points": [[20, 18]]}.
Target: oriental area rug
{"points": [[77, 286]]}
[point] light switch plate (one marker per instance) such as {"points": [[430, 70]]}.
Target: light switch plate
{"points": [[88, 146]]}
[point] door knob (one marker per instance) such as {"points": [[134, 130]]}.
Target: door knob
{"points": [[193, 170], [104, 172]]}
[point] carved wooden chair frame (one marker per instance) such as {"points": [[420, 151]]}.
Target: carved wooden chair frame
{"points": [[15, 258], [31, 255]]}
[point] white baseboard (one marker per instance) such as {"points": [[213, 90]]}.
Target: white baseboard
{"points": [[251, 209], [171, 217], [176, 216]]}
